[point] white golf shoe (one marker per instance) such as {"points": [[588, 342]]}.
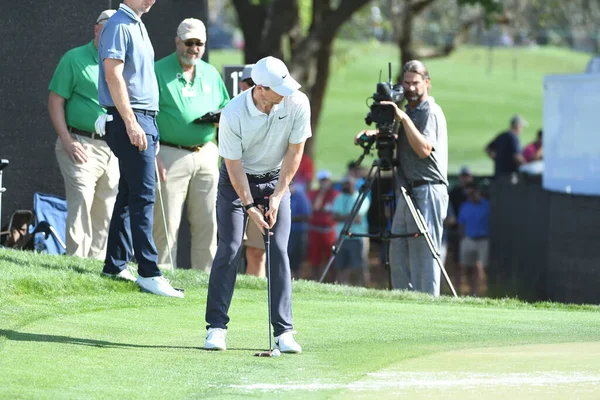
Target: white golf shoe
{"points": [[158, 285], [286, 343], [215, 339], [124, 275]]}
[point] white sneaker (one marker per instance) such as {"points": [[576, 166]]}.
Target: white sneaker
{"points": [[215, 339], [286, 343], [158, 285], [124, 275]]}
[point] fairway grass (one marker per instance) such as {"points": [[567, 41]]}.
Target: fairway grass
{"points": [[66, 332]]}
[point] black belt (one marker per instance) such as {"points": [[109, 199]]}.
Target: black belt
{"points": [[263, 178], [86, 134], [415, 184], [188, 148], [151, 113]]}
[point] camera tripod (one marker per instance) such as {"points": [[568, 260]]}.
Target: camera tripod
{"points": [[379, 165]]}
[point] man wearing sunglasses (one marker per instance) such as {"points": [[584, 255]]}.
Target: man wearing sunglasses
{"points": [[188, 159], [127, 88], [88, 167]]}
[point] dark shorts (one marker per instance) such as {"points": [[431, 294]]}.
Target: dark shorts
{"points": [[350, 254]]}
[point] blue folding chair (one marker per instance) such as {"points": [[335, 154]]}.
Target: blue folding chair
{"points": [[50, 224]]}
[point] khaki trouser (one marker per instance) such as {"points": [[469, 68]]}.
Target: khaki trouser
{"points": [[192, 178], [90, 188]]}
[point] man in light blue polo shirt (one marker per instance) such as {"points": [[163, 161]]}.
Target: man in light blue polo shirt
{"points": [[127, 87]]}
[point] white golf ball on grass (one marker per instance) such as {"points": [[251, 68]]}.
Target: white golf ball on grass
{"points": [[276, 353]]}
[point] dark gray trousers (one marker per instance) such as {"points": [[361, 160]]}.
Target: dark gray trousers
{"points": [[230, 231]]}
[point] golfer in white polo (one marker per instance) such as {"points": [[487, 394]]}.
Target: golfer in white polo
{"points": [[262, 133]]}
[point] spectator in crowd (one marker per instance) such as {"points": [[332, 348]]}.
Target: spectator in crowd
{"points": [[89, 168], [505, 149], [449, 221], [321, 226], [246, 81], [253, 239], [457, 196], [188, 159], [349, 258], [357, 172], [534, 151], [298, 242], [306, 172], [255, 251], [474, 222], [127, 88]]}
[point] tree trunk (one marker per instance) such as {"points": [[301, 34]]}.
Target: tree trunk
{"points": [[319, 88], [265, 25]]}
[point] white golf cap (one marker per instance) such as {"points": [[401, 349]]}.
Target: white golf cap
{"points": [[272, 73], [191, 28], [104, 16], [323, 174], [247, 72]]}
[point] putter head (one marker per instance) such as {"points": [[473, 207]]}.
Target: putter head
{"points": [[268, 353]]}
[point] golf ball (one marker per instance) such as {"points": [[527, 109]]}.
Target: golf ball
{"points": [[276, 353]]}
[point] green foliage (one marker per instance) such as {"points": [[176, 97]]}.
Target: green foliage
{"points": [[489, 6], [305, 11]]}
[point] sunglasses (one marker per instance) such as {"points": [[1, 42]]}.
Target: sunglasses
{"points": [[190, 43]]}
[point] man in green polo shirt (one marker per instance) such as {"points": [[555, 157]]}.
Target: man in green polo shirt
{"points": [[188, 158], [89, 168]]}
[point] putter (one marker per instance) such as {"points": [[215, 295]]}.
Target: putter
{"points": [[162, 209], [268, 353]]}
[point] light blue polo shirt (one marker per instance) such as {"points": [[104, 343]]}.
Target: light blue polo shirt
{"points": [[260, 140], [124, 37]]}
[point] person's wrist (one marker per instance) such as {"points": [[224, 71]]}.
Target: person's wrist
{"points": [[277, 195], [248, 207], [67, 140], [130, 120]]}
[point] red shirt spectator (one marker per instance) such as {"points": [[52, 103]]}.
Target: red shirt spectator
{"points": [[322, 203], [321, 226], [306, 171]]}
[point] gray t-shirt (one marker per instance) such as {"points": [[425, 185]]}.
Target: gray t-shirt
{"points": [[260, 140], [429, 119]]}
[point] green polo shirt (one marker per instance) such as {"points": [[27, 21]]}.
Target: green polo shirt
{"points": [[180, 103], [76, 80]]}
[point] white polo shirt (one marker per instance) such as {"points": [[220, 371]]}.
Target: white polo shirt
{"points": [[259, 140]]}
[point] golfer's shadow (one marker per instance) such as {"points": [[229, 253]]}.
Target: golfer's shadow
{"points": [[38, 337]]}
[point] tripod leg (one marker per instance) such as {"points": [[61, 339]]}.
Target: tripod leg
{"points": [[422, 227], [351, 217]]}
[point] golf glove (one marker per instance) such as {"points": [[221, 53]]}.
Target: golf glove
{"points": [[101, 124]]}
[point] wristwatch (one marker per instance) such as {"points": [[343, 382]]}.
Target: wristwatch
{"points": [[249, 206]]}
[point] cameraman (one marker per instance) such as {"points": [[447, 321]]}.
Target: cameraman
{"points": [[422, 155]]}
